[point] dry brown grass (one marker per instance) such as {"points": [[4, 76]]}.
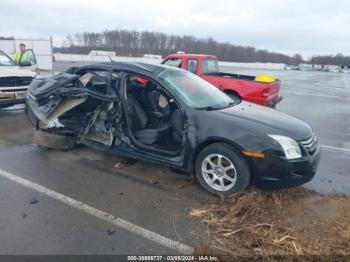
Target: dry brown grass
{"points": [[288, 222]]}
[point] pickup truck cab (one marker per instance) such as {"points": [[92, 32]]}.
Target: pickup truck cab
{"points": [[261, 89]]}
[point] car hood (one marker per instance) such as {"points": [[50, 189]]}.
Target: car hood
{"points": [[266, 120], [8, 71]]}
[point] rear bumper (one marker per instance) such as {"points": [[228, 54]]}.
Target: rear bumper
{"points": [[274, 101], [12, 97], [269, 101]]}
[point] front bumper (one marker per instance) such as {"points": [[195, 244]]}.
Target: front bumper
{"points": [[278, 172], [10, 97]]}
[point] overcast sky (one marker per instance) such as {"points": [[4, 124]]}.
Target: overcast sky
{"points": [[288, 26]]}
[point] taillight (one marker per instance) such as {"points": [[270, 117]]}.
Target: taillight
{"points": [[266, 92]]}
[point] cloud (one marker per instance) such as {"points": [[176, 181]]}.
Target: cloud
{"points": [[287, 26]]}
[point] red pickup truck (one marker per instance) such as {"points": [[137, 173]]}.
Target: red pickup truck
{"points": [[250, 88]]}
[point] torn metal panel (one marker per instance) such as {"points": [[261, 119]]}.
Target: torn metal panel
{"points": [[43, 88], [103, 137], [47, 93], [61, 108], [66, 105], [99, 129], [51, 124], [51, 98]]}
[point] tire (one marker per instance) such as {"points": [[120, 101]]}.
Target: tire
{"points": [[214, 178]]}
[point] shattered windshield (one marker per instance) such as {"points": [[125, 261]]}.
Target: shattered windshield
{"points": [[5, 60], [194, 91]]}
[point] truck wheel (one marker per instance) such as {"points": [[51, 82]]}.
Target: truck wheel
{"points": [[55, 141], [222, 170], [233, 95]]}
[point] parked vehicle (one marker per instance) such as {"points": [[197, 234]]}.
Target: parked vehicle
{"points": [[15, 79], [152, 56], [172, 117], [102, 53], [344, 69], [261, 89]]}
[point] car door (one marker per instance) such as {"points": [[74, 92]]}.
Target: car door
{"points": [[175, 121], [28, 60]]}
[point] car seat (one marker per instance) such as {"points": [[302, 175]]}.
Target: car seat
{"points": [[143, 132]]}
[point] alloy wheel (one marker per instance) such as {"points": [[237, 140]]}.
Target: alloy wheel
{"points": [[219, 172]]}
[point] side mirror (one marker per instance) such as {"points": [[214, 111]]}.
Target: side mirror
{"points": [[25, 63]]}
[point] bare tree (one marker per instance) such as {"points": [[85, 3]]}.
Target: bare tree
{"points": [[338, 59], [134, 43]]}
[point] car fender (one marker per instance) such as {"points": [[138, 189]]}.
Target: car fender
{"points": [[206, 142]]}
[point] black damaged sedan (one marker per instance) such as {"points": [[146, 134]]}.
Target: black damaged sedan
{"points": [[172, 117]]}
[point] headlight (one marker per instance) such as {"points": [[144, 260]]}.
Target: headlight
{"points": [[290, 147]]}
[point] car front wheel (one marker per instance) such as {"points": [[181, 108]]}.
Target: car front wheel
{"points": [[222, 170]]}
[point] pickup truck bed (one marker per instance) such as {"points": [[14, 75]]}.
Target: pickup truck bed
{"points": [[246, 87], [229, 75]]}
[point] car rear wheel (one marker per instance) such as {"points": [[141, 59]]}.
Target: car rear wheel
{"points": [[222, 170]]}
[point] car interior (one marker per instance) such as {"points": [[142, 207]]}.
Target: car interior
{"points": [[154, 117], [95, 80]]}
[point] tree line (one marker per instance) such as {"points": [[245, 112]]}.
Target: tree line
{"points": [[135, 43], [138, 43], [338, 59], [7, 38]]}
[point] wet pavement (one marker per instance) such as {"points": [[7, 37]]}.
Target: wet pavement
{"points": [[147, 195]]}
